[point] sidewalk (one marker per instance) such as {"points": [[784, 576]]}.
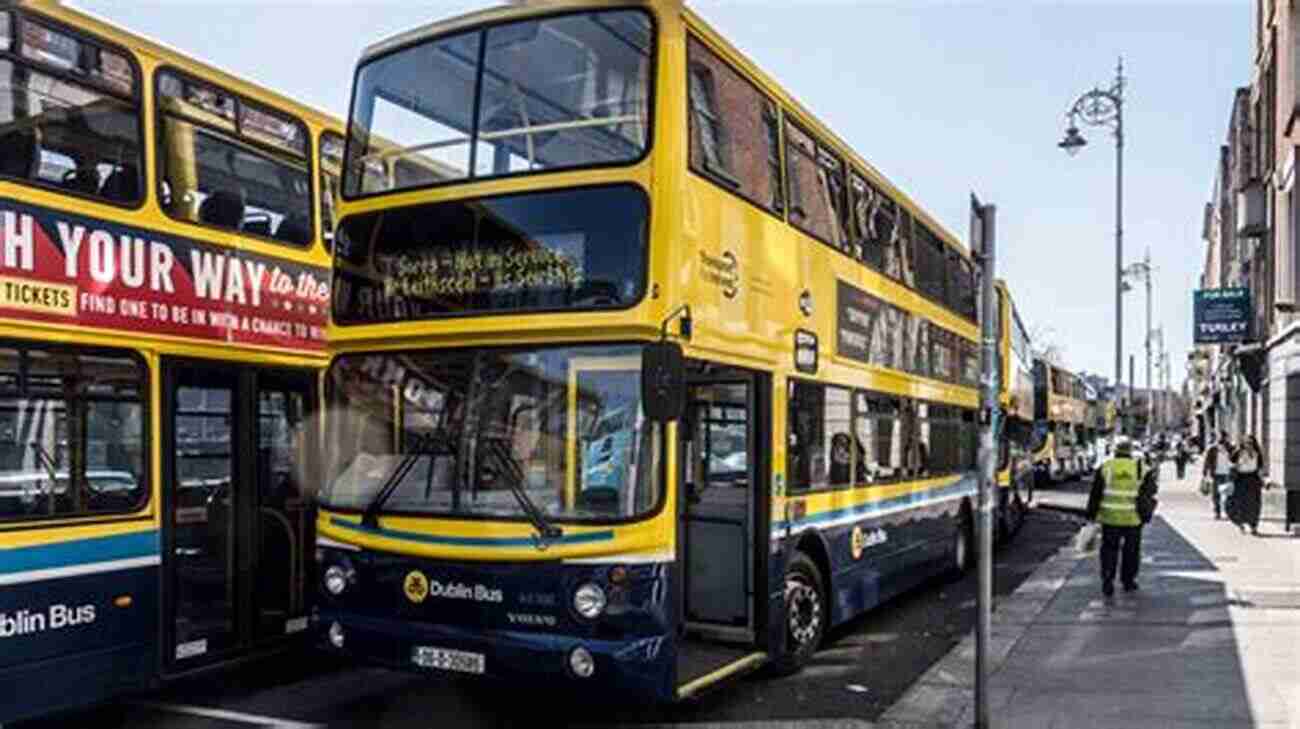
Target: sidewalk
{"points": [[1212, 640]]}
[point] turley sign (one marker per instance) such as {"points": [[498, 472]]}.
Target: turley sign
{"points": [[1221, 316]]}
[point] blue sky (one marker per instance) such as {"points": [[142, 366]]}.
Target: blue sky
{"points": [[943, 98]]}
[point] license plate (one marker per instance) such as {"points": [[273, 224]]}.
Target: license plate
{"points": [[445, 659]]}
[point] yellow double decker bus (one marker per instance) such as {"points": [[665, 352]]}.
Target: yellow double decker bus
{"points": [[1060, 420], [1017, 400], [164, 293], [641, 377]]}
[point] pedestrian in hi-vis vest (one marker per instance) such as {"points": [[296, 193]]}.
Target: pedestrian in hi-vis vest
{"points": [[1114, 504]]}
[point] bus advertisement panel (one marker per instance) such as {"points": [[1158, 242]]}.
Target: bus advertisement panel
{"points": [[59, 267]]}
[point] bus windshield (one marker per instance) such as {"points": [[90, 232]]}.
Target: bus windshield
{"points": [[452, 427], [559, 92]]}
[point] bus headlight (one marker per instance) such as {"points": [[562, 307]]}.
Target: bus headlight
{"points": [[589, 601], [336, 580], [581, 662]]}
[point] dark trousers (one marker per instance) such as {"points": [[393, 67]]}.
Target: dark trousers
{"points": [[1111, 537]]}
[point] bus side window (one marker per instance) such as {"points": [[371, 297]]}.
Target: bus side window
{"points": [[812, 198], [231, 164], [71, 433], [734, 133], [819, 424], [73, 116]]}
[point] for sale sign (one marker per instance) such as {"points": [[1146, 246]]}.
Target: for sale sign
{"points": [[66, 268], [1221, 316]]}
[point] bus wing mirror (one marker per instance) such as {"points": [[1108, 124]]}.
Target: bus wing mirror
{"points": [[663, 381]]}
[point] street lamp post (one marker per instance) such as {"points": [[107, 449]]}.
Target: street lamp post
{"points": [[1105, 108], [1143, 269]]}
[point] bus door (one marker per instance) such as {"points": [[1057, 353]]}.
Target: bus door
{"points": [[723, 523], [237, 526]]}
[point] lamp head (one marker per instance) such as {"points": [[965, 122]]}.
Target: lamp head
{"points": [[1073, 141]]}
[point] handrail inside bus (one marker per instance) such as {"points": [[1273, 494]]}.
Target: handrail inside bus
{"points": [[501, 134]]}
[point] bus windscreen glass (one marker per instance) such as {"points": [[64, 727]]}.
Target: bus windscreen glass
{"points": [[454, 428], [555, 93], [548, 251]]}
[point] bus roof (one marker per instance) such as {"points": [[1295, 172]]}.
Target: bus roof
{"points": [[84, 19], [512, 10], [517, 9]]}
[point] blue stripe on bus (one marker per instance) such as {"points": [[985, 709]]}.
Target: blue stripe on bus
{"points": [[585, 538], [867, 509], [79, 551]]}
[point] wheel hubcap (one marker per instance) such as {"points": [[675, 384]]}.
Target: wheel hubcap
{"points": [[804, 608]]}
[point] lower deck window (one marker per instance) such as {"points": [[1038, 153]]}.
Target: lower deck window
{"points": [[839, 437], [72, 432]]}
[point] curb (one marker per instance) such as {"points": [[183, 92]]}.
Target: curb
{"points": [[767, 724], [944, 696]]}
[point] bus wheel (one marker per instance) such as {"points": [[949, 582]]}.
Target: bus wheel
{"points": [[806, 614]]}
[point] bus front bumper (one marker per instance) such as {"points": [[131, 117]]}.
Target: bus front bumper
{"points": [[641, 666]]}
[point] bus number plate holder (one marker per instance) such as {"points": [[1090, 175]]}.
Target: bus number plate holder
{"points": [[445, 659]]}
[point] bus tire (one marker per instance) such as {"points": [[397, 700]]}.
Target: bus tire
{"points": [[807, 614]]}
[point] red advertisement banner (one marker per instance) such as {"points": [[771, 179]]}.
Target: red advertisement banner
{"points": [[71, 269]]}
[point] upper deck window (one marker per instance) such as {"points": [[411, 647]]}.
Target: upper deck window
{"points": [[812, 173], [555, 93], [734, 135], [232, 164], [331, 169], [69, 113]]}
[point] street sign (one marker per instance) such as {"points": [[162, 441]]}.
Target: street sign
{"points": [[1221, 316]]}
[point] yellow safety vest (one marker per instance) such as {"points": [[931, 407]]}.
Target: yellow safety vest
{"points": [[1122, 477]]}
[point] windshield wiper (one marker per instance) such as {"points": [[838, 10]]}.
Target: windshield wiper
{"points": [[513, 474], [423, 446]]}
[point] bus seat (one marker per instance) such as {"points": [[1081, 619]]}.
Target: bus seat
{"points": [[294, 229], [122, 185], [83, 180], [222, 208], [19, 154]]}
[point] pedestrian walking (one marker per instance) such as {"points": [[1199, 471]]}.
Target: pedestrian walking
{"points": [[1113, 503], [1218, 469], [1181, 456], [1248, 463]]}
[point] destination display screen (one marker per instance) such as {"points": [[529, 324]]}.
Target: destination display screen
{"points": [[62, 268], [545, 251]]}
